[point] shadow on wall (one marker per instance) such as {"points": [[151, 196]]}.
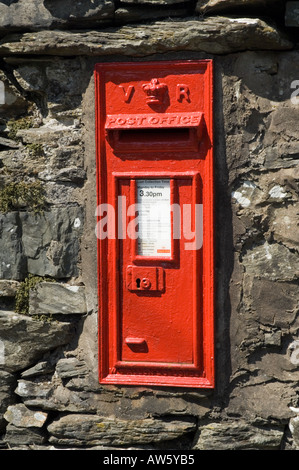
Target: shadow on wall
{"points": [[67, 8], [9, 2], [224, 250]]}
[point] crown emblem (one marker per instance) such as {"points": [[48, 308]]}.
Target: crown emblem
{"points": [[155, 91]]}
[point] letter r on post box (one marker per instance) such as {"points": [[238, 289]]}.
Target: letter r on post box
{"points": [[182, 92]]}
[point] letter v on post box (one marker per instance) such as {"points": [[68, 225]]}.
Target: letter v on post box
{"points": [[155, 223]]}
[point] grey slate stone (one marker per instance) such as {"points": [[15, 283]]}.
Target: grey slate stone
{"points": [[292, 14], [9, 143], [135, 12], [52, 240], [7, 397], [12, 260], [8, 288], [215, 35], [21, 416], [32, 337], [294, 427], [43, 244], [55, 298], [14, 105], [70, 367], [274, 262], [153, 2], [82, 429], [52, 395], [213, 6], [16, 436], [238, 436], [41, 368], [34, 14]]}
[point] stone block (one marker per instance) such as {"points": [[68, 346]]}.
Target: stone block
{"points": [[70, 367], [268, 400], [281, 311], [272, 261], [21, 416], [7, 397], [8, 143], [14, 105], [13, 261], [211, 6], [153, 2], [294, 427], [292, 14], [55, 298], [215, 35], [21, 350], [41, 368], [17, 436], [238, 436], [285, 223], [83, 13], [41, 393], [33, 14], [8, 288], [136, 12], [82, 429], [50, 132], [51, 241]]}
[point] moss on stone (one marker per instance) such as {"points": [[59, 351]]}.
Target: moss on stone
{"points": [[35, 150], [20, 194], [15, 125], [22, 295]]}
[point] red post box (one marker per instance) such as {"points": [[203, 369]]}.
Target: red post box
{"points": [[155, 223]]}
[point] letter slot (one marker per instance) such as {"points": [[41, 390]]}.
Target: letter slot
{"points": [[154, 140]]}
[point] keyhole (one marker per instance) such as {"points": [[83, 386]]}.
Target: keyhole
{"points": [[138, 283]]}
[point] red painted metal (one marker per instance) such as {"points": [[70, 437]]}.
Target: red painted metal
{"points": [[154, 123]]}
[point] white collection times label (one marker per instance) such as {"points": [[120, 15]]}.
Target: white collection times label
{"points": [[154, 217]]}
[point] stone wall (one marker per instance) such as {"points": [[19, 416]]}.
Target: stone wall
{"points": [[49, 391]]}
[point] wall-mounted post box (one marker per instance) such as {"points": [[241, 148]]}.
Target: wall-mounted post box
{"points": [[155, 223]]}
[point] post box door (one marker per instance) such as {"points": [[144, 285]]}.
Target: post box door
{"points": [[156, 253], [159, 324]]}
